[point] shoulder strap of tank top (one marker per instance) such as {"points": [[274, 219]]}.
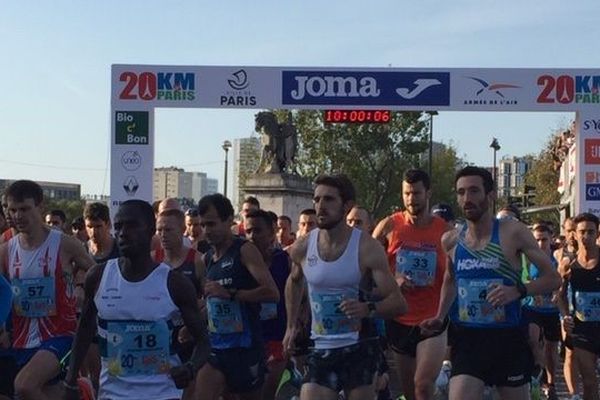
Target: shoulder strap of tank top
{"points": [[495, 231]]}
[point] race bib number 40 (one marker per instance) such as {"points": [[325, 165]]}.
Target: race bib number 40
{"points": [[472, 304], [138, 347], [588, 306], [34, 297], [418, 265], [224, 316], [329, 319]]}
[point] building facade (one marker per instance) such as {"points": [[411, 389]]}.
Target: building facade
{"points": [[52, 190], [511, 175]]}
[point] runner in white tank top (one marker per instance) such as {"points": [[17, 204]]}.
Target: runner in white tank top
{"points": [[135, 304], [334, 259]]}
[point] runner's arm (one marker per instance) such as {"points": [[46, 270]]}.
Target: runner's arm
{"points": [[183, 294], [267, 289], [563, 302], [200, 272], [393, 302], [76, 254], [381, 231], [87, 324], [294, 286], [449, 290]]}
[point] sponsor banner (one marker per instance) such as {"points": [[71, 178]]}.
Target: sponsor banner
{"points": [[132, 156], [366, 88], [587, 178]]}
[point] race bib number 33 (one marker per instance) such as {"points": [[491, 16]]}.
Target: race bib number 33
{"points": [[418, 265]]}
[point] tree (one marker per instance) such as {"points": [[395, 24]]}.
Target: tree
{"points": [[374, 156], [543, 177], [446, 163]]}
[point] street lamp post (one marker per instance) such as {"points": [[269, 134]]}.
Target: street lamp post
{"points": [[226, 146], [496, 146], [430, 159]]}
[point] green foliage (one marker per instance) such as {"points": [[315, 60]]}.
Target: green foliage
{"points": [[72, 208], [373, 156], [544, 178], [445, 164]]}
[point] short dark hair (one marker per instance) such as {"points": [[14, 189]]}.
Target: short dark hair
{"points": [[341, 182], [145, 209], [484, 174], [60, 214], [77, 223], [285, 218], [24, 189], [586, 217], [252, 200], [413, 176], [512, 208], [97, 211], [308, 211], [542, 227], [264, 215], [219, 202]]}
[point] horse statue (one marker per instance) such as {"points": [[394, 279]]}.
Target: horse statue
{"points": [[279, 143]]}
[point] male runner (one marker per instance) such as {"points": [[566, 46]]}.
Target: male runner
{"points": [[334, 260], [102, 246], [135, 304], [541, 312], [285, 236], [583, 323], [569, 251], [416, 257], [359, 218], [40, 264], [11, 231], [485, 272], [250, 203], [56, 219], [193, 231], [259, 230], [238, 280], [307, 221]]}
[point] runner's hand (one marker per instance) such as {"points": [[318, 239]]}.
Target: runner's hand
{"points": [[501, 295], [182, 375], [354, 308], [184, 335], [431, 325], [214, 289], [568, 324], [289, 341], [404, 281]]}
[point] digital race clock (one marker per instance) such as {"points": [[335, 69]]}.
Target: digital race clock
{"points": [[357, 116]]}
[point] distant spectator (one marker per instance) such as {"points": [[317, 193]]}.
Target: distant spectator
{"points": [[56, 219], [285, 236], [78, 229], [250, 203], [307, 221]]}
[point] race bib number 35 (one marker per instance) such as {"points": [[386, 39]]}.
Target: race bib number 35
{"points": [[138, 347], [418, 265], [34, 297], [588, 306], [224, 316], [472, 304]]}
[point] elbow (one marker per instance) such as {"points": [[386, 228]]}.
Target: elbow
{"points": [[274, 295]]}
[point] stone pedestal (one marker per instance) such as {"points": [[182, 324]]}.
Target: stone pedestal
{"points": [[284, 194]]}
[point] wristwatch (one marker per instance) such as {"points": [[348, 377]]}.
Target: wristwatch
{"points": [[372, 307]]}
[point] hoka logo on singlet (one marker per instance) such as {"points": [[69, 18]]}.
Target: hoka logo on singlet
{"points": [[138, 328], [227, 264], [467, 264], [312, 261]]}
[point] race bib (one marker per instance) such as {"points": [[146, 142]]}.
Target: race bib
{"points": [[329, 319], [472, 304], [224, 316], [34, 297], [268, 311], [543, 301], [138, 347], [418, 265], [588, 306]]}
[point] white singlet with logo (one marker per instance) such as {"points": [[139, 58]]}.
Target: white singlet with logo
{"points": [[134, 328], [330, 283]]}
